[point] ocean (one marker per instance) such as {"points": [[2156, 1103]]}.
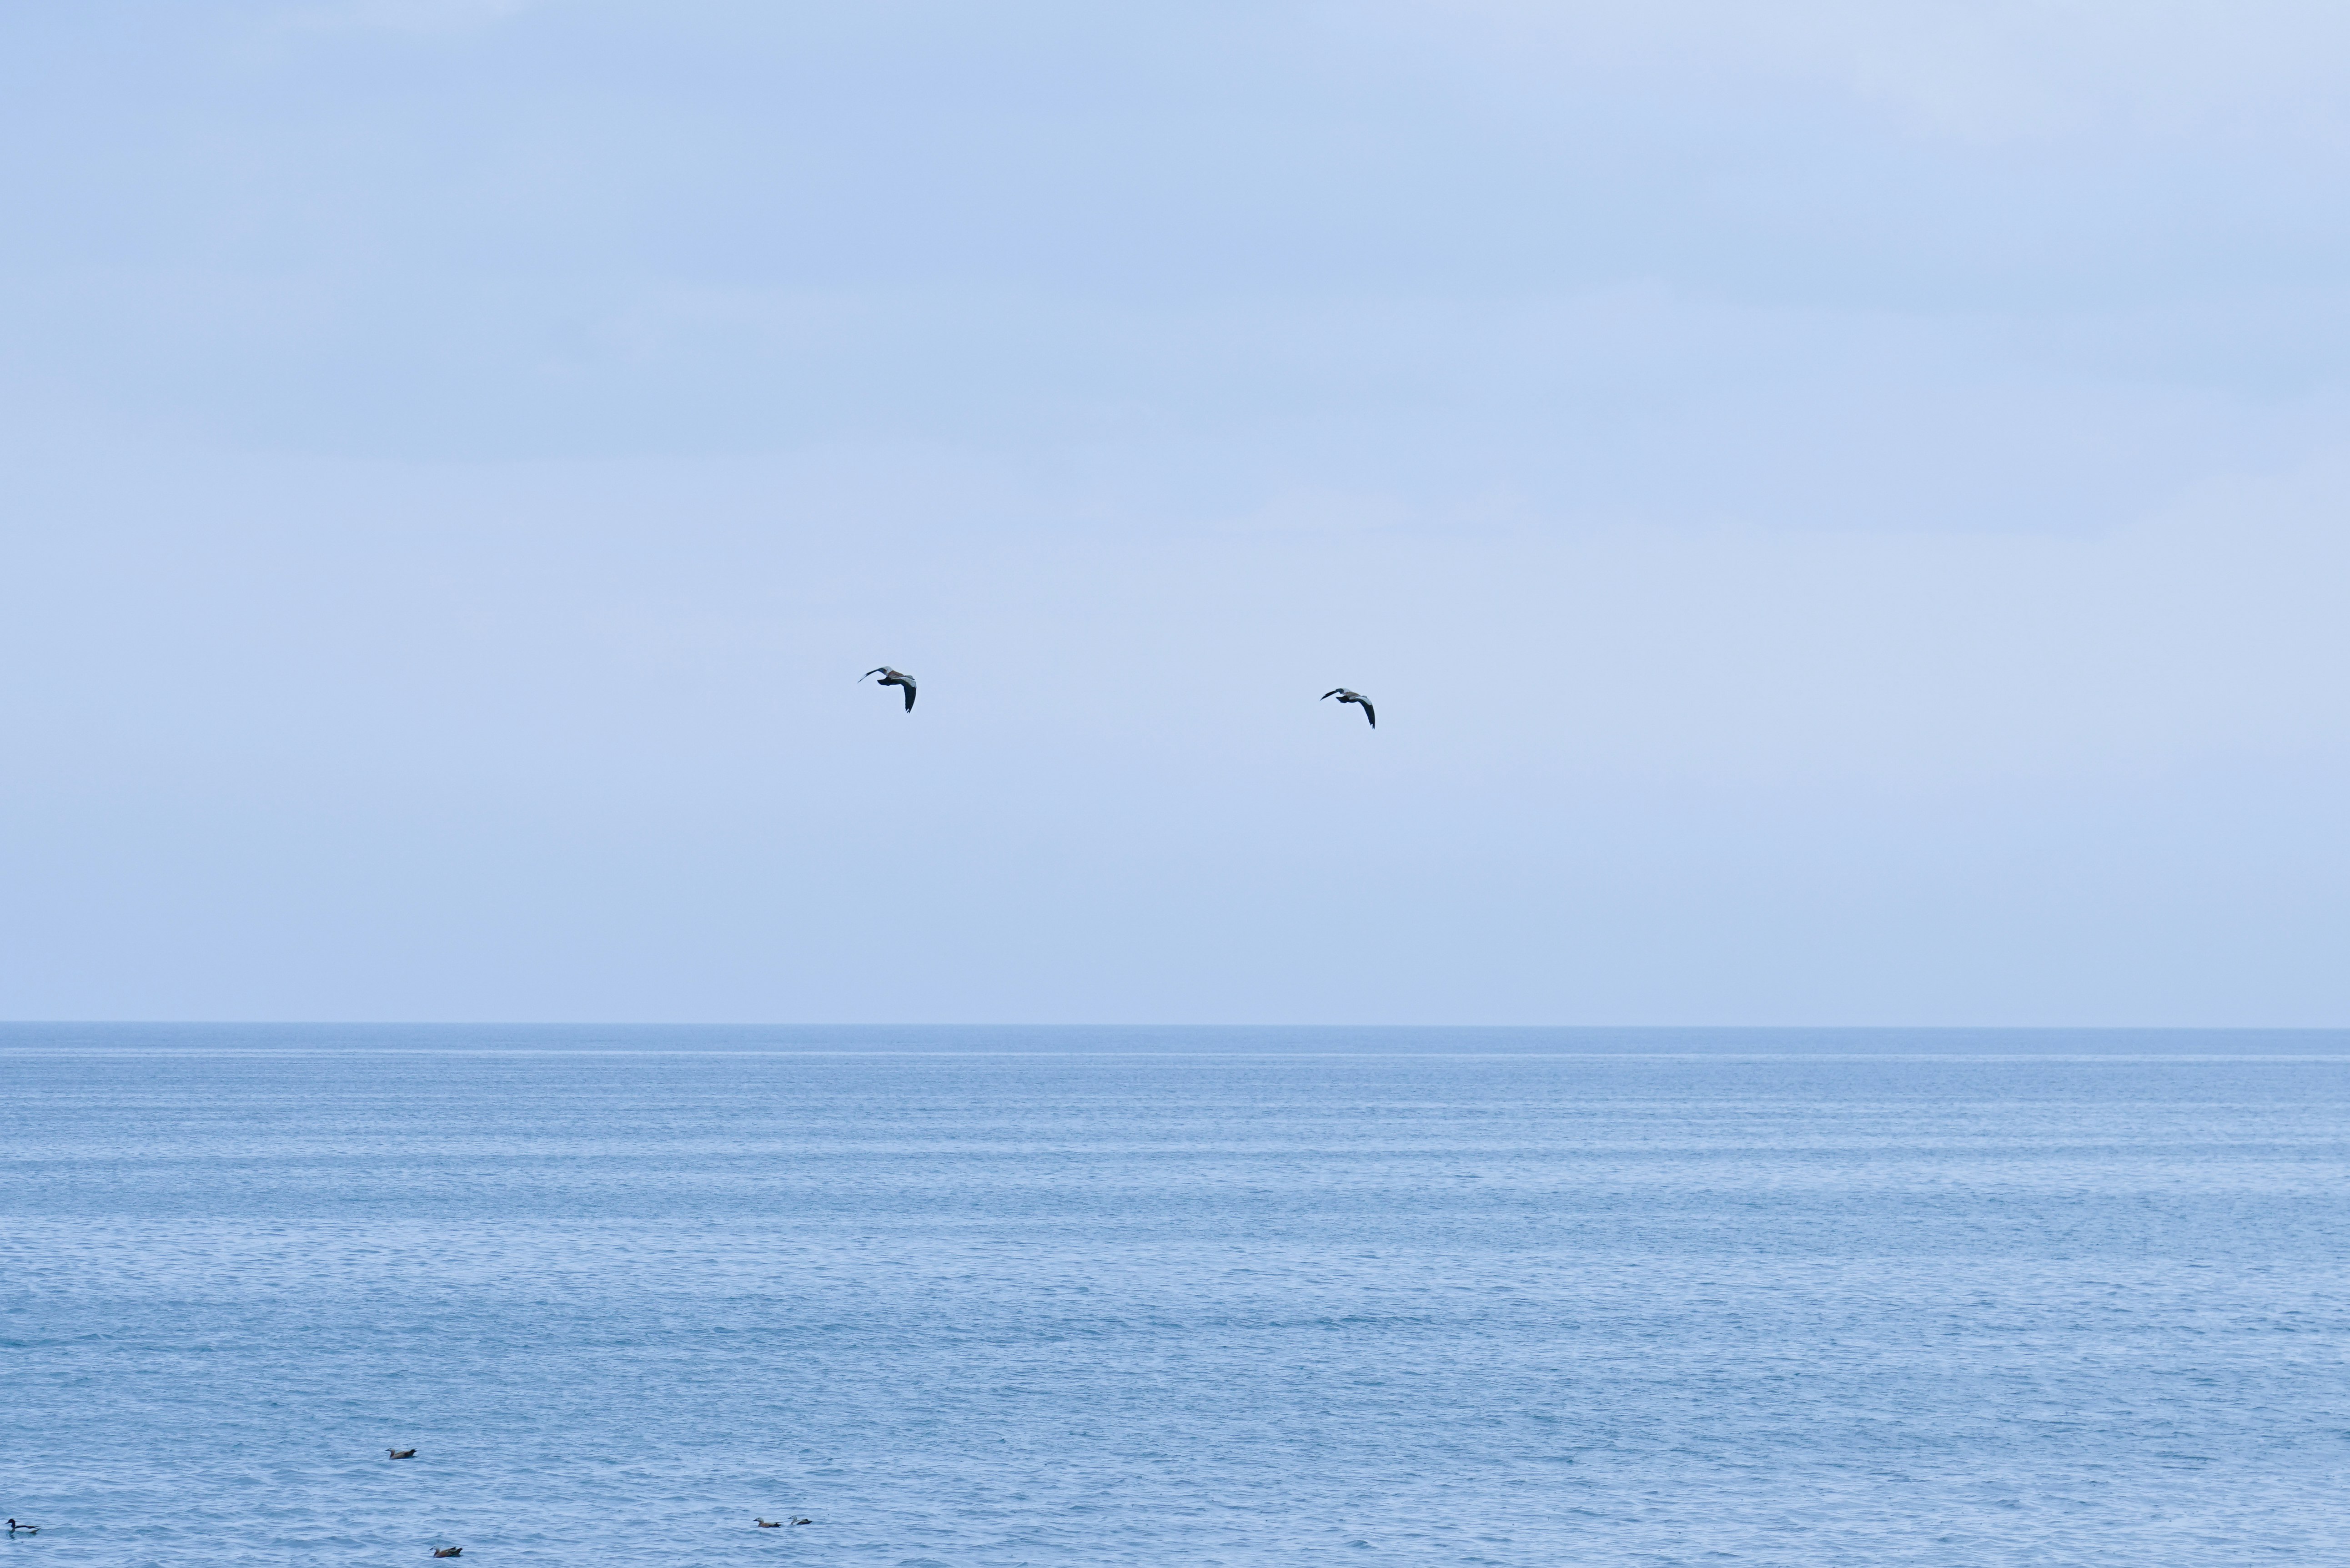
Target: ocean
{"points": [[1072, 1296]]}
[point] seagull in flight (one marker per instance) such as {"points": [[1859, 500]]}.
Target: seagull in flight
{"points": [[1340, 692], [894, 678]]}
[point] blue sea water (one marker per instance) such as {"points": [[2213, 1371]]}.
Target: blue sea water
{"points": [[1174, 1297]]}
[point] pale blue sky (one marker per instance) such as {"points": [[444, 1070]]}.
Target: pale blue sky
{"points": [[1845, 509]]}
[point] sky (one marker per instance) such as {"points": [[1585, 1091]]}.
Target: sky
{"points": [[1843, 510]]}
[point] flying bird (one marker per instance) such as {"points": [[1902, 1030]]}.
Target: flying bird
{"points": [[894, 678], [1343, 695]]}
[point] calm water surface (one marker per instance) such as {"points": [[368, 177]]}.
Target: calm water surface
{"points": [[999, 1297]]}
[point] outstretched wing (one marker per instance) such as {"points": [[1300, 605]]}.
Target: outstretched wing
{"points": [[1332, 693], [909, 695], [1368, 711], [877, 669]]}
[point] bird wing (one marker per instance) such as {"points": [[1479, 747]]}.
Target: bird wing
{"points": [[877, 669], [909, 695], [1368, 711], [1332, 693]]}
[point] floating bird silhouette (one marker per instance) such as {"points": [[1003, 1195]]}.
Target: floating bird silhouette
{"points": [[768, 1523], [895, 677], [1343, 695], [803, 1521], [447, 1551], [18, 1527], [401, 1453]]}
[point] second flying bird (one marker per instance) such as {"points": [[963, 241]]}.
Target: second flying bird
{"points": [[894, 678], [1343, 695]]}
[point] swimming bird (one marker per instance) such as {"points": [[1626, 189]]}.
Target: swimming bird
{"points": [[17, 1528], [894, 678], [447, 1551], [803, 1521], [768, 1523], [1343, 695], [401, 1453]]}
